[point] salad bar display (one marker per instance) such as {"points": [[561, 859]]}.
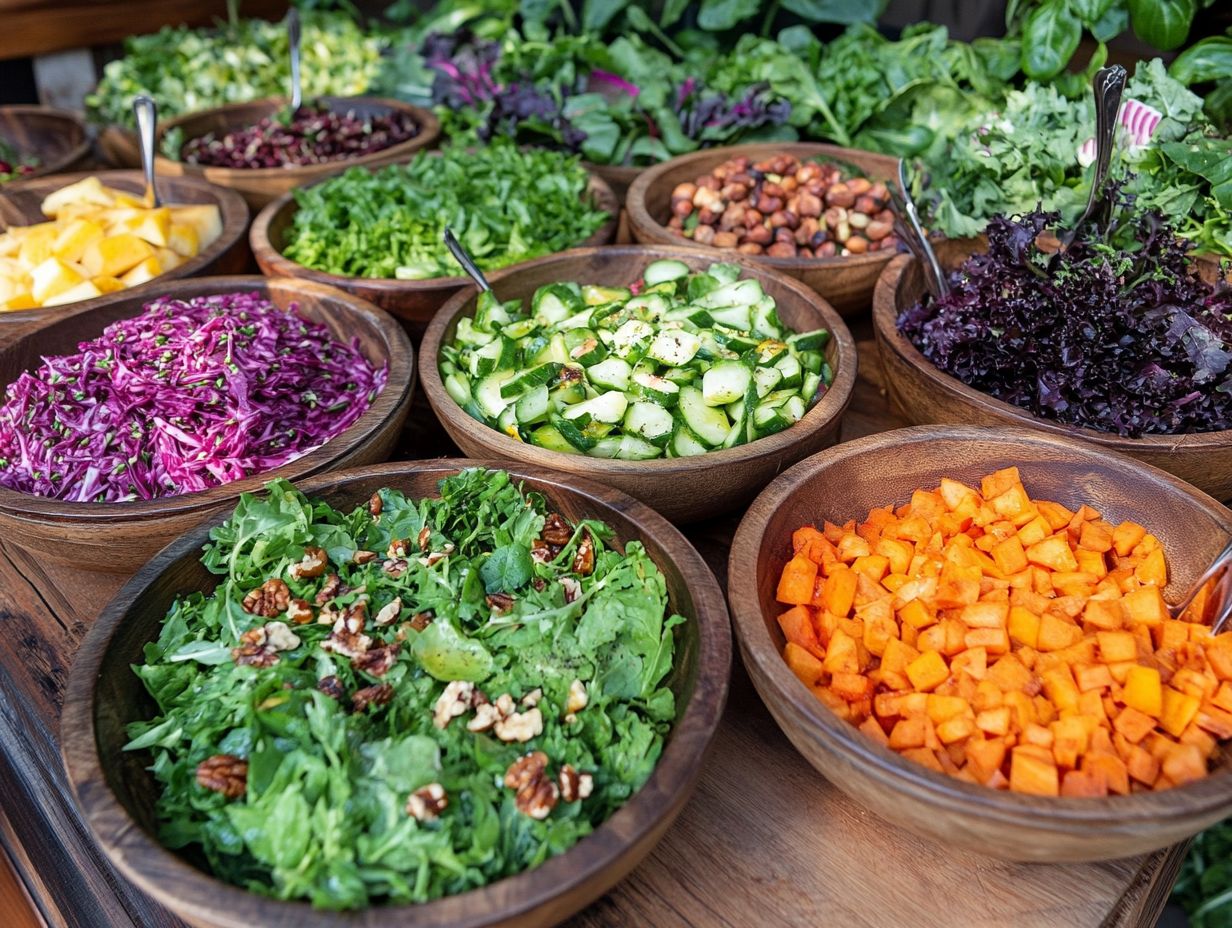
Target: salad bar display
{"points": [[660, 265]]}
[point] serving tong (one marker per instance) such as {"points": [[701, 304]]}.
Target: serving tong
{"points": [[1221, 567], [462, 256], [907, 224], [145, 110]]}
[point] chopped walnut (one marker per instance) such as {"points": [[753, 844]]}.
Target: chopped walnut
{"points": [[332, 687], [526, 769], [312, 564], [377, 661], [437, 556], [453, 702], [570, 373], [363, 557], [578, 697], [279, 637], [573, 589], [334, 587], [355, 616], [536, 793], [421, 620], [398, 548], [346, 638], [556, 531], [539, 584], [224, 773], [543, 553], [504, 702], [427, 802], [520, 726], [299, 612], [425, 536], [499, 603], [254, 655], [269, 599], [573, 785], [486, 715], [329, 616], [388, 612], [584, 559], [394, 567], [375, 505], [378, 695], [532, 698], [254, 636]]}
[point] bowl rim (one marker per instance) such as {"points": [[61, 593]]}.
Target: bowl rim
{"points": [[829, 409], [885, 313], [231, 206], [387, 404], [279, 264], [429, 126], [180, 886], [879, 762], [650, 231], [74, 154]]}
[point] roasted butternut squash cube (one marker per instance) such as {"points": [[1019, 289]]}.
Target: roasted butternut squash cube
{"points": [[1125, 537], [1054, 553], [1032, 775], [839, 590], [1146, 606], [1153, 569], [803, 663], [928, 671], [1177, 711], [1143, 691], [842, 654]]}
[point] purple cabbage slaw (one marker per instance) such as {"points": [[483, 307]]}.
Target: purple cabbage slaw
{"points": [[189, 394]]}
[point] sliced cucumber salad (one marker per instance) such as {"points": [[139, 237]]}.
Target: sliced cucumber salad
{"points": [[680, 364]]}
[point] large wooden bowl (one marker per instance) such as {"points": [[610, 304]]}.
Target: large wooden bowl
{"points": [[845, 482], [415, 302], [617, 176], [259, 186], [927, 394], [846, 282], [57, 138], [20, 204], [120, 537], [683, 489], [116, 792]]}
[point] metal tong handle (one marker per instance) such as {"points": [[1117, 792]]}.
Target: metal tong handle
{"points": [[146, 112], [294, 36], [912, 232], [1108, 85], [1223, 590], [463, 258]]}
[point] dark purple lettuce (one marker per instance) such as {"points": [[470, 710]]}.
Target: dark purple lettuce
{"points": [[1124, 340]]}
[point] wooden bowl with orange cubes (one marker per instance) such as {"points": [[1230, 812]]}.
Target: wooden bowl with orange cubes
{"points": [[966, 630]]}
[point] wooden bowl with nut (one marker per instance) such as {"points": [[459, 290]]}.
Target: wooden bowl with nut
{"points": [[116, 789], [817, 212]]}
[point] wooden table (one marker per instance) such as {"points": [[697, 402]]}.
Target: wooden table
{"points": [[764, 841]]}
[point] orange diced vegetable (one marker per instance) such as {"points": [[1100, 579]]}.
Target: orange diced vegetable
{"points": [[1033, 775], [1143, 691], [796, 583], [803, 664]]}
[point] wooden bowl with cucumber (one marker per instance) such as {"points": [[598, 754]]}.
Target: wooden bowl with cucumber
{"points": [[686, 389]]}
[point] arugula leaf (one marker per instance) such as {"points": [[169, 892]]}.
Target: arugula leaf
{"points": [[507, 568]]}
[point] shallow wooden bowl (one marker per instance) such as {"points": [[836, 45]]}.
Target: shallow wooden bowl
{"points": [[415, 302], [846, 282], [20, 204], [115, 791], [120, 537], [845, 482], [926, 394], [683, 489], [57, 138], [617, 176], [259, 186]]}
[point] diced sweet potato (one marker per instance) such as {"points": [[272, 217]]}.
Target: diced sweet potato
{"points": [[797, 626], [842, 655], [1056, 633], [803, 663], [1215, 720], [1054, 553], [1030, 774], [1084, 783], [1125, 537], [807, 542], [1145, 606], [1132, 724], [839, 590], [1142, 765], [1152, 569], [1144, 691], [1113, 770], [1092, 677], [796, 583], [928, 671], [851, 686], [908, 733], [872, 728]]}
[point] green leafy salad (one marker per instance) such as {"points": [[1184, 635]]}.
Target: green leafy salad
{"points": [[407, 700], [505, 206]]}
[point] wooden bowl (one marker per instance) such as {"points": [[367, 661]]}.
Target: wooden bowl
{"points": [[926, 394], [683, 489], [116, 797], [846, 282], [617, 176], [120, 537], [20, 204], [415, 302], [845, 482], [57, 138], [259, 186]]}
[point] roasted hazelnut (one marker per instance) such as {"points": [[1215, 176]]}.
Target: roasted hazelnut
{"points": [[742, 178], [734, 191], [819, 237], [879, 191], [826, 250], [806, 230], [782, 250], [773, 190], [684, 191], [789, 184], [785, 235], [768, 204], [760, 235], [793, 220], [681, 208], [808, 204], [877, 230], [885, 215], [805, 253], [709, 182], [859, 185], [706, 216], [675, 223], [732, 217], [778, 219], [725, 240], [833, 216], [858, 220], [704, 235], [750, 248], [856, 244], [866, 205], [753, 217], [809, 171], [783, 164], [840, 195]]}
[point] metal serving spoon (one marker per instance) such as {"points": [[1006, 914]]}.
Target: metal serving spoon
{"points": [[912, 232], [1108, 85], [1222, 593], [293, 35], [463, 258], [146, 112]]}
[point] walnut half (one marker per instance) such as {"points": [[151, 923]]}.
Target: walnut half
{"points": [[270, 599], [536, 793], [427, 802], [224, 773]]}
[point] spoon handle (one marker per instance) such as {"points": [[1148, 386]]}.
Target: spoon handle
{"points": [[294, 36], [463, 258], [916, 238], [145, 110]]}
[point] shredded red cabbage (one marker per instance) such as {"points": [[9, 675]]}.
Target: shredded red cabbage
{"points": [[187, 395]]}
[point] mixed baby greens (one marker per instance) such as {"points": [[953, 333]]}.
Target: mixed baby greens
{"points": [[298, 737]]}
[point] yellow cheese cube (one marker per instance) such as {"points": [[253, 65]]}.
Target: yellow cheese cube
{"points": [[153, 225], [10, 243], [83, 291], [146, 270], [183, 240], [52, 277], [74, 238]]}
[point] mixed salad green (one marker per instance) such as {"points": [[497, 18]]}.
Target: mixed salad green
{"points": [[505, 205], [678, 364], [407, 700]]}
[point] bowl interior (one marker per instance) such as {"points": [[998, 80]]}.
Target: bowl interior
{"points": [[113, 696], [847, 481], [55, 137], [379, 339]]}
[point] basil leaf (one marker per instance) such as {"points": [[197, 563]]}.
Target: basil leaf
{"points": [[1162, 24], [1050, 38]]}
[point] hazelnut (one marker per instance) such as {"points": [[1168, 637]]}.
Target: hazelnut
{"points": [[857, 244], [734, 192], [709, 182], [753, 217], [706, 216], [840, 195], [732, 217], [769, 204], [681, 208], [785, 235], [725, 240], [808, 204], [773, 190], [778, 219], [866, 205], [879, 191], [833, 216], [684, 192], [826, 250], [782, 250], [805, 253], [859, 185], [806, 230], [789, 184], [750, 248], [842, 231], [760, 235], [878, 229], [793, 219], [704, 235]]}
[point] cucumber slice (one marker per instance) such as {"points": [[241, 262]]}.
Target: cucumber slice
{"points": [[649, 421], [745, 292], [793, 373], [520, 329], [663, 270], [500, 354], [808, 389], [527, 380], [724, 383], [555, 302], [567, 394], [633, 448], [811, 360], [734, 317], [630, 340], [467, 334], [584, 347], [458, 387], [777, 398], [491, 313], [533, 406], [723, 272], [487, 393], [766, 379], [739, 415], [709, 423], [655, 388], [508, 422], [572, 434], [680, 375], [555, 350], [740, 344], [768, 420], [765, 321], [827, 373], [648, 306], [597, 296], [685, 444], [610, 374], [815, 340], [577, 321], [793, 409], [606, 407], [694, 315], [769, 351], [550, 438], [674, 347]]}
